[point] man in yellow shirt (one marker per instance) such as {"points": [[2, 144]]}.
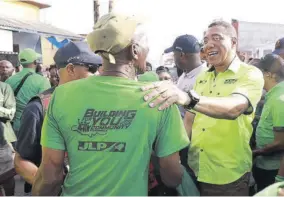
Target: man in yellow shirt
{"points": [[222, 108]]}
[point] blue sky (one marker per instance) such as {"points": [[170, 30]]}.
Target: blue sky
{"points": [[166, 18]]}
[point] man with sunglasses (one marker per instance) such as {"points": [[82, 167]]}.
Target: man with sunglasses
{"points": [[270, 129], [223, 101], [74, 61]]}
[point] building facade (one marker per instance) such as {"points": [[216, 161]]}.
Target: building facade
{"points": [[20, 28]]}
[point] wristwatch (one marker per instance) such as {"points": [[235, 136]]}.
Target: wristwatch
{"points": [[194, 99]]}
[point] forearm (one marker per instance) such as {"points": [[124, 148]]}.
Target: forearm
{"points": [[269, 149], [172, 178], [26, 169], [47, 184], [281, 169], [220, 108], [7, 113]]}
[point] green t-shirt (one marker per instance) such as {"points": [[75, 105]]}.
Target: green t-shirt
{"points": [[272, 118], [108, 131], [33, 85]]}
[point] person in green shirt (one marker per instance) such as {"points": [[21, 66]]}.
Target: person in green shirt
{"points": [[104, 125], [270, 129], [33, 85]]}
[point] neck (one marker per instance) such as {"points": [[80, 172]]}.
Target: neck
{"points": [[193, 66], [271, 85], [63, 81], [31, 67], [225, 65], [125, 70]]}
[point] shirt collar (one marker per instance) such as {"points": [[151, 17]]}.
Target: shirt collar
{"points": [[196, 70], [279, 85], [234, 66], [28, 70]]}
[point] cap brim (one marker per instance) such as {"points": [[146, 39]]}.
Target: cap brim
{"points": [[89, 58], [93, 59], [169, 50], [38, 55], [278, 51]]}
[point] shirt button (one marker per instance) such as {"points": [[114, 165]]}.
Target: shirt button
{"points": [[210, 92], [218, 93], [201, 150], [203, 129], [214, 85]]}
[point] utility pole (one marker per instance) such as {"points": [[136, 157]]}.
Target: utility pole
{"points": [[96, 11], [110, 5]]}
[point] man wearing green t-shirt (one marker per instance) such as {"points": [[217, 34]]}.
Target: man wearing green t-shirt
{"points": [[31, 86], [270, 129], [105, 126]]}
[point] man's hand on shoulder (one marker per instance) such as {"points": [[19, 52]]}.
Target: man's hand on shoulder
{"points": [[165, 94]]}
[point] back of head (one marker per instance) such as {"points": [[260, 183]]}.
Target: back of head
{"points": [[75, 60], [162, 69], [274, 64], [28, 57], [279, 48], [254, 62], [119, 40]]}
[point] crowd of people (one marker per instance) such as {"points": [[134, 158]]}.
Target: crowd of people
{"points": [[101, 122]]}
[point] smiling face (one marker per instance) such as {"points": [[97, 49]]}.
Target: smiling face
{"points": [[219, 46]]}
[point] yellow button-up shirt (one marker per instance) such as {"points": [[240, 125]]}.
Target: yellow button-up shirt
{"points": [[220, 152]]}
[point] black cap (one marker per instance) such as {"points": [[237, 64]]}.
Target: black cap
{"points": [[186, 44], [279, 47], [76, 53]]}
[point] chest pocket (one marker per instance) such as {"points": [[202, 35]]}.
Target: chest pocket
{"points": [[227, 86]]}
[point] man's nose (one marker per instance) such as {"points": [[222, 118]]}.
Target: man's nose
{"points": [[208, 45]]}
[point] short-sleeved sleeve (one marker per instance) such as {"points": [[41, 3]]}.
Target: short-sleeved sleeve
{"points": [[45, 85], [250, 85], [278, 113], [51, 136], [171, 135]]}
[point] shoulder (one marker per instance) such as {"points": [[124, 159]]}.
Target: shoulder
{"points": [[249, 68], [12, 78], [34, 103], [5, 87], [33, 108], [48, 91], [250, 72], [38, 76], [204, 72]]}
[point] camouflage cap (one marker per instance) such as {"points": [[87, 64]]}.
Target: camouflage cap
{"points": [[112, 33]]}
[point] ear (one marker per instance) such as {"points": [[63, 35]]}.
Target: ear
{"points": [[268, 74], [70, 69], [234, 41], [135, 51]]}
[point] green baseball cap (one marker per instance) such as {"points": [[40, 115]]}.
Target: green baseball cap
{"points": [[112, 33], [148, 77], [28, 56]]}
